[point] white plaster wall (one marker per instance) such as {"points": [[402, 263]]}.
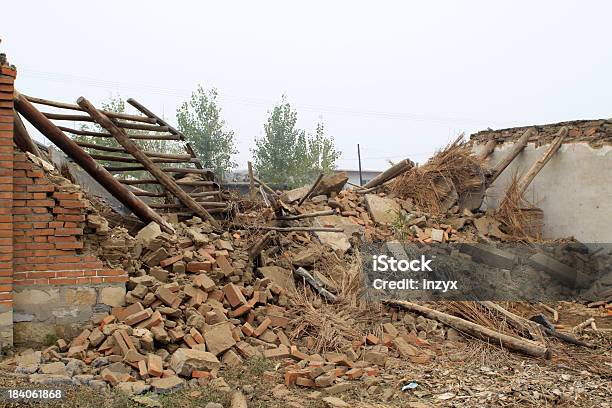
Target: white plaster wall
{"points": [[574, 189]]}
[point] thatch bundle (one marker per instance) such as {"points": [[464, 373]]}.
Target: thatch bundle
{"points": [[449, 175]]}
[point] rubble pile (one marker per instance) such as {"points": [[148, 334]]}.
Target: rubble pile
{"points": [[203, 298]]}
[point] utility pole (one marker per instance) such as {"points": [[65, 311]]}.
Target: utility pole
{"points": [[359, 157]]}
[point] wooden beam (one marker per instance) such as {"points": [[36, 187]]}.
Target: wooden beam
{"points": [[518, 147], [101, 134], [68, 146], [541, 162], [63, 116], [488, 149], [22, 137], [390, 173], [168, 183], [114, 158], [161, 122], [114, 115], [252, 191], [140, 126], [311, 189]]}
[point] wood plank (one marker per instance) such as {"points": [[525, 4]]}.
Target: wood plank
{"points": [[102, 134]]}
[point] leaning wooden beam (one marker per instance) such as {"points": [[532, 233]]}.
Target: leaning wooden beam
{"points": [[68, 146], [488, 149], [518, 147], [71, 106], [316, 284], [311, 189], [484, 333], [309, 215], [168, 183], [205, 194], [265, 186], [390, 173], [22, 137], [541, 162], [101, 134], [161, 122], [257, 247]]}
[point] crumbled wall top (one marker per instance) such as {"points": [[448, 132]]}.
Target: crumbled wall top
{"points": [[596, 133]]}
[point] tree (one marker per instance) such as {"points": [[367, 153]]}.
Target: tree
{"points": [[200, 121], [286, 155]]}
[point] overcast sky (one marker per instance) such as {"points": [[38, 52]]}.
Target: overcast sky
{"points": [[399, 78]]}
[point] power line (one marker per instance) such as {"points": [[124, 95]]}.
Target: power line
{"points": [[242, 100]]}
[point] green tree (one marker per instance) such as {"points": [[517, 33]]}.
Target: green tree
{"points": [[200, 121], [287, 155]]}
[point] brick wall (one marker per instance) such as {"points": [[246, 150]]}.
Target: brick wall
{"points": [[48, 284], [57, 287], [7, 78], [48, 222]]}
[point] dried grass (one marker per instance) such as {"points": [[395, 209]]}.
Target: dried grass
{"points": [[452, 169], [334, 326], [520, 219]]}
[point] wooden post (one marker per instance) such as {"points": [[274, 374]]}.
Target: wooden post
{"points": [[390, 173], [516, 149], [252, 191], [311, 189], [68, 146], [541, 162], [22, 138], [152, 168]]}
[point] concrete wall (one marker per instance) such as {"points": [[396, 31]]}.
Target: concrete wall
{"points": [[61, 311], [574, 189]]}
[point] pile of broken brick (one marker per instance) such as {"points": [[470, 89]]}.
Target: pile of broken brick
{"points": [[198, 301]]}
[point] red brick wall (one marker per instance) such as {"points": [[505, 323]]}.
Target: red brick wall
{"points": [[7, 78], [48, 222]]}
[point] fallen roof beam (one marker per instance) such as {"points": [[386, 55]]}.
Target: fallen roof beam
{"points": [[68, 146], [155, 171], [22, 137]]}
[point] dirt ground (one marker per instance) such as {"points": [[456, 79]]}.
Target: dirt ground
{"points": [[466, 373]]}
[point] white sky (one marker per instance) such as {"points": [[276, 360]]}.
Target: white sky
{"points": [[399, 78]]}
